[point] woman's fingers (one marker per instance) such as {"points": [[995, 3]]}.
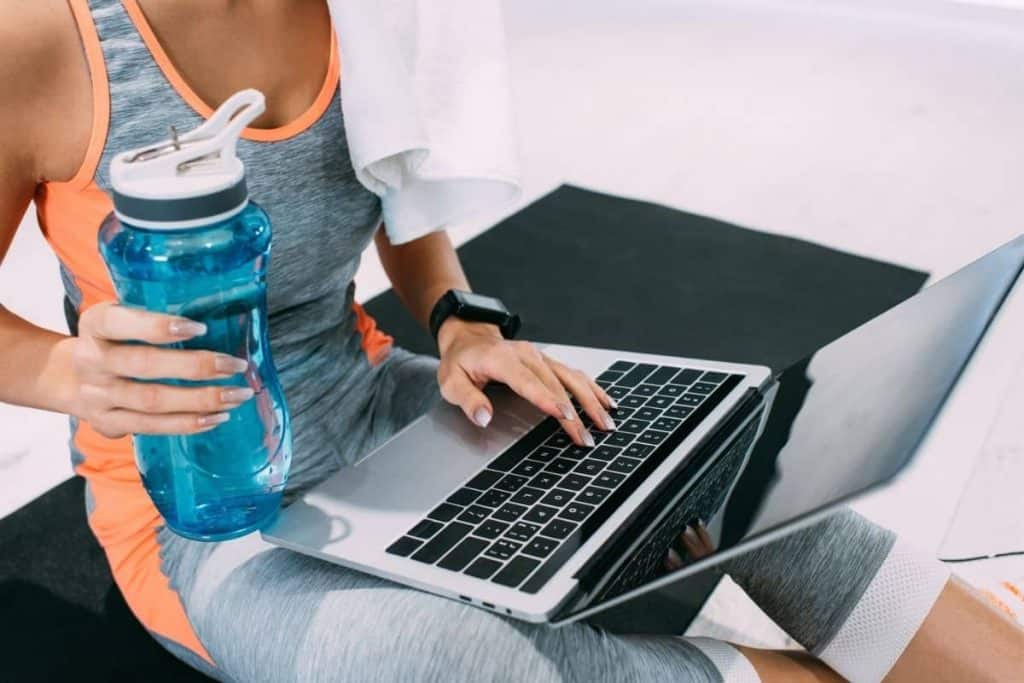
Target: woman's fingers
{"points": [[150, 362], [458, 389], [584, 390], [161, 398], [537, 363], [119, 422], [113, 322]]}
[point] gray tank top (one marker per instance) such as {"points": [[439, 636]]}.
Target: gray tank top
{"points": [[322, 217]]}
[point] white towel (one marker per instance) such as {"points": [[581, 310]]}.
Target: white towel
{"points": [[427, 106]]}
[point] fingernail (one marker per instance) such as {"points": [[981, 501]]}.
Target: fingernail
{"points": [[567, 412], [691, 534], [230, 364], [674, 559], [213, 419], [612, 402], [187, 328], [482, 417], [588, 439], [609, 423], [236, 395]]}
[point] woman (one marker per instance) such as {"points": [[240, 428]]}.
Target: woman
{"points": [[85, 79]]}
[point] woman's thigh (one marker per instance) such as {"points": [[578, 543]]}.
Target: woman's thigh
{"points": [[268, 614]]}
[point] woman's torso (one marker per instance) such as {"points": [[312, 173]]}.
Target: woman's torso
{"points": [[322, 219]]}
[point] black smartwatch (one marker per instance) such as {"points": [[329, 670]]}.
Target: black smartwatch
{"points": [[473, 308]]}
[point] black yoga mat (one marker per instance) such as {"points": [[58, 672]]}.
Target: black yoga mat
{"points": [[582, 268]]}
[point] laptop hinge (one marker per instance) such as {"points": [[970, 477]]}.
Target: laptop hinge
{"points": [[612, 550]]}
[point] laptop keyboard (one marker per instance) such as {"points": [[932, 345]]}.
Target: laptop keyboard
{"points": [[519, 519]]}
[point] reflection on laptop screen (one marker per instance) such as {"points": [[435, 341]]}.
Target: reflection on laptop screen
{"points": [[841, 421]]}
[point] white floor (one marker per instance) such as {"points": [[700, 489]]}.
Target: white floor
{"points": [[888, 128]]}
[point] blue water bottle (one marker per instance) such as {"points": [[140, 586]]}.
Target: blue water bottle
{"points": [[185, 239]]}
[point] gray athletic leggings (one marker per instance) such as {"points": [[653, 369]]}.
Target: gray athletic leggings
{"points": [[268, 614]]}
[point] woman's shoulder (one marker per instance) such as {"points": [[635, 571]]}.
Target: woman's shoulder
{"points": [[46, 117]]}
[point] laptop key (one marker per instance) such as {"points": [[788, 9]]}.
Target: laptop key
{"points": [[437, 547], [686, 377], [577, 512], [598, 435], [621, 413], [690, 399], [425, 529], [632, 401], [511, 483], [652, 436], [540, 514], [502, 549], [445, 512], [702, 388], [463, 496], [619, 439], [509, 512], [634, 425], [544, 454], [659, 402], [540, 547], [621, 366], [521, 531], [678, 411], [645, 390], [483, 568], [516, 571], [714, 377], [671, 390], [492, 528], [577, 452], [636, 375], [462, 554], [593, 495], [557, 498], [559, 441], [623, 465], [560, 466], [647, 413], [589, 467], [605, 453], [638, 450], [493, 498], [527, 468], [609, 376], [617, 392], [609, 479], [474, 514], [574, 482], [545, 480], [403, 546], [662, 375], [484, 480], [527, 495], [666, 424], [558, 528]]}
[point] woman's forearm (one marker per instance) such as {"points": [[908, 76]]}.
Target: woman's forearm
{"points": [[421, 271], [35, 365]]}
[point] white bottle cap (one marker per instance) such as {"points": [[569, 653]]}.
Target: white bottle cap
{"points": [[188, 180]]}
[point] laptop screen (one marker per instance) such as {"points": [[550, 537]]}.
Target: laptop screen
{"points": [[843, 420]]}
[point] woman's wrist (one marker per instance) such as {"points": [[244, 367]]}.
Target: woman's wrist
{"points": [[453, 329]]}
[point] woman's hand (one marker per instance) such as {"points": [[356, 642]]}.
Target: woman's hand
{"points": [[105, 369], [473, 354]]}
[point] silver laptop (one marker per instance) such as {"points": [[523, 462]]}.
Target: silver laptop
{"points": [[518, 520]]}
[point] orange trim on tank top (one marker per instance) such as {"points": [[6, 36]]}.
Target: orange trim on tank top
{"points": [[100, 94], [376, 344], [174, 77]]}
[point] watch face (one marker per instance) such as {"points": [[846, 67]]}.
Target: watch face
{"points": [[481, 301]]}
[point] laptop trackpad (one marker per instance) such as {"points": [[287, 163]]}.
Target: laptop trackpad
{"points": [[371, 503]]}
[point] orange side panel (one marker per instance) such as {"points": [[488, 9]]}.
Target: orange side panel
{"points": [[376, 343]]}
